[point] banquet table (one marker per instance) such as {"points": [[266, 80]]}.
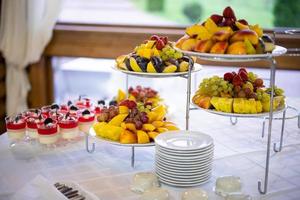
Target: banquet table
{"points": [[107, 172]]}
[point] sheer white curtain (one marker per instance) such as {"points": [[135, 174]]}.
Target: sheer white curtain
{"points": [[25, 29]]}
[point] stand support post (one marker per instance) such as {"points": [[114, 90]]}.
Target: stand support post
{"points": [[272, 82], [87, 144], [188, 99]]}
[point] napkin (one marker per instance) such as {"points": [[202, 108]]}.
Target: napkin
{"points": [[37, 189]]}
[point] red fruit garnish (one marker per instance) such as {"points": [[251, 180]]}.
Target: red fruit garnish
{"points": [[154, 37], [243, 75], [139, 88], [243, 21], [160, 44], [243, 69], [258, 82], [217, 18], [229, 22], [131, 104], [164, 39], [134, 93], [124, 103], [229, 13], [228, 76], [237, 80]]}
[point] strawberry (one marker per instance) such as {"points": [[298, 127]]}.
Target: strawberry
{"points": [[160, 44], [228, 76], [217, 18], [229, 13], [243, 75], [164, 39], [131, 104], [237, 80], [229, 22], [134, 93], [154, 37], [124, 103], [243, 21], [243, 69]]}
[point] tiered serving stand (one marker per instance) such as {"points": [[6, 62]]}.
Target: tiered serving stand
{"points": [[186, 75], [270, 57], [244, 58]]}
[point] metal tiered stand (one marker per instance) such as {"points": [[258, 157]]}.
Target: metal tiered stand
{"points": [[263, 188], [186, 75]]}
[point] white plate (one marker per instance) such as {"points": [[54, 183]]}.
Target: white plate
{"points": [[183, 164], [183, 178], [279, 50], [93, 133], [180, 180], [184, 140], [184, 155], [187, 168], [189, 171], [197, 67], [176, 184], [279, 110], [184, 152], [186, 158]]}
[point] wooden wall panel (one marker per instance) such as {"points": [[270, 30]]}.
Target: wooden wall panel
{"points": [[109, 41]]}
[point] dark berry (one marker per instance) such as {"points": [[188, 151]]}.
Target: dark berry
{"points": [[101, 102], [69, 103], [113, 103], [54, 106], [86, 112], [73, 108], [48, 121]]}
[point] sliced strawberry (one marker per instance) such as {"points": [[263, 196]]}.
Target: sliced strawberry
{"points": [[160, 44], [229, 13], [217, 18], [154, 37]]}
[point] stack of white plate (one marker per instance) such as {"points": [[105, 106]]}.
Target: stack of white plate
{"points": [[183, 158]]}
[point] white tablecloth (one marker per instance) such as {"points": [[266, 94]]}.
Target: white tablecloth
{"points": [[239, 150]]}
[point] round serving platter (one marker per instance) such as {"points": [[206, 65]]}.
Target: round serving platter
{"points": [[279, 50], [197, 67], [93, 133], [184, 140], [258, 115]]}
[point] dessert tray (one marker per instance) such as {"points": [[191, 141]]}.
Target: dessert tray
{"points": [[197, 67], [279, 50], [263, 114], [93, 134]]}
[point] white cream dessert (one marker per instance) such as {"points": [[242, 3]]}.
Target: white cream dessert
{"points": [[144, 181], [195, 194], [48, 131], [31, 126], [68, 127], [228, 184], [155, 194], [15, 127], [86, 121]]}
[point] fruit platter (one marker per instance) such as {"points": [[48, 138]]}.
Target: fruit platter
{"points": [[134, 120], [156, 57], [224, 37], [240, 94]]}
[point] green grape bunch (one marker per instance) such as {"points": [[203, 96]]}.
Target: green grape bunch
{"points": [[215, 86]]}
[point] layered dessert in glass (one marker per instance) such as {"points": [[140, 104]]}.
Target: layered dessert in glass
{"points": [[31, 126], [48, 131], [86, 120], [68, 126], [15, 126]]}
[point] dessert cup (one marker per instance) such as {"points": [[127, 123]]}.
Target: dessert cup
{"points": [[84, 103], [144, 181], [32, 113], [68, 127], [48, 132], [15, 127], [31, 126], [86, 121]]}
